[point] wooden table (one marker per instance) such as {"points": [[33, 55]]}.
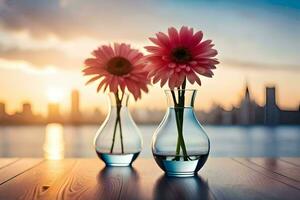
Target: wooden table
{"points": [[221, 178]]}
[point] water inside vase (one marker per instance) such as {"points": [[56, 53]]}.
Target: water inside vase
{"points": [[118, 159], [180, 167]]}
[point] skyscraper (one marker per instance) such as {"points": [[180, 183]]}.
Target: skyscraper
{"points": [[271, 109], [26, 110], [75, 111], [53, 112], [2, 109], [246, 112]]}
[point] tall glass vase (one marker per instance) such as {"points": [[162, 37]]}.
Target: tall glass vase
{"points": [[118, 142], [180, 145]]}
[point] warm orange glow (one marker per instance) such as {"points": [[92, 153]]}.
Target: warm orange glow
{"points": [[55, 95], [54, 142]]}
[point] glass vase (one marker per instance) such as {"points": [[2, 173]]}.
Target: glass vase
{"points": [[180, 145], [118, 141]]}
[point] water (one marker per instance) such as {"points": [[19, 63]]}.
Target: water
{"points": [[118, 160], [55, 141], [181, 167]]}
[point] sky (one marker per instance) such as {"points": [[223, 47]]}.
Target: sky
{"points": [[43, 45]]}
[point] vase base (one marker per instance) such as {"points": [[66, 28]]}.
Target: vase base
{"points": [[180, 174], [176, 166], [118, 160]]}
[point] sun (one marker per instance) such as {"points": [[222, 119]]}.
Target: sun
{"points": [[54, 95]]}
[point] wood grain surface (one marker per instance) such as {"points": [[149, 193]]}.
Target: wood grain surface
{"points": [[220, 178]]}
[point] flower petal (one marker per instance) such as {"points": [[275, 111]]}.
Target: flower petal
{"points": [[173, 35], [92, 70], [192, 77], [108, 51], [196, 39], [91, 62], [93, 79], [184, 35], [101, 84], [163, 38]]}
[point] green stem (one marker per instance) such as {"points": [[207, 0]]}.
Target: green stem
{"points": [[114, 136], [177, 146], [180, 129], [182, 100], [121, 136], [177, 157], [179, 112], [118, 122], [174, 98], [119, 107]]}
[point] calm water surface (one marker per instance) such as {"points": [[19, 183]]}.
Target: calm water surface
{"points": [[55, 141]]}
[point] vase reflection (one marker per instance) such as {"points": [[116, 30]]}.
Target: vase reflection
{"points": [[54, 146], [110, 178], [181, 188]]}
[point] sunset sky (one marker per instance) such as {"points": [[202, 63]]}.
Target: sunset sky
{"points": [[43, 44]]}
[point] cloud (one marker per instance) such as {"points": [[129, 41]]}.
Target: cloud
{"points": [[40, 57], [40, 18], [132, 19], [259, 65], [69, 19], [260, 32], [25, 67]]}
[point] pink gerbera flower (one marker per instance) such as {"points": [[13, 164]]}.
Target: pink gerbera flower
{"points": [[180, 55], [118, 67]]}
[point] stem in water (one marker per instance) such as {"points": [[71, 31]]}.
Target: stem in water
{"points": [[114, 136], [120, 125], [179, 112], [118, 122]]}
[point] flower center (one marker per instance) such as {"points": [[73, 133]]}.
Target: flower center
{"points": [[118, 66], [181, 54]]}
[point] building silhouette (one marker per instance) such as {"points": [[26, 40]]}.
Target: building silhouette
{"points": [[26, 110], [75, 115], [54, 113], [26, 114], [3, 115], [272, 111], [2, 109], [23, 117], [250, 113], [246, 112]]}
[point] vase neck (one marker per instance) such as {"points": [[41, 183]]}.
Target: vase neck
{"points": [[119, 99], [181, 98]]}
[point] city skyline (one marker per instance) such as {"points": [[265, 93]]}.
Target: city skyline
{"points": [[66, 107], [248, 112]]}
